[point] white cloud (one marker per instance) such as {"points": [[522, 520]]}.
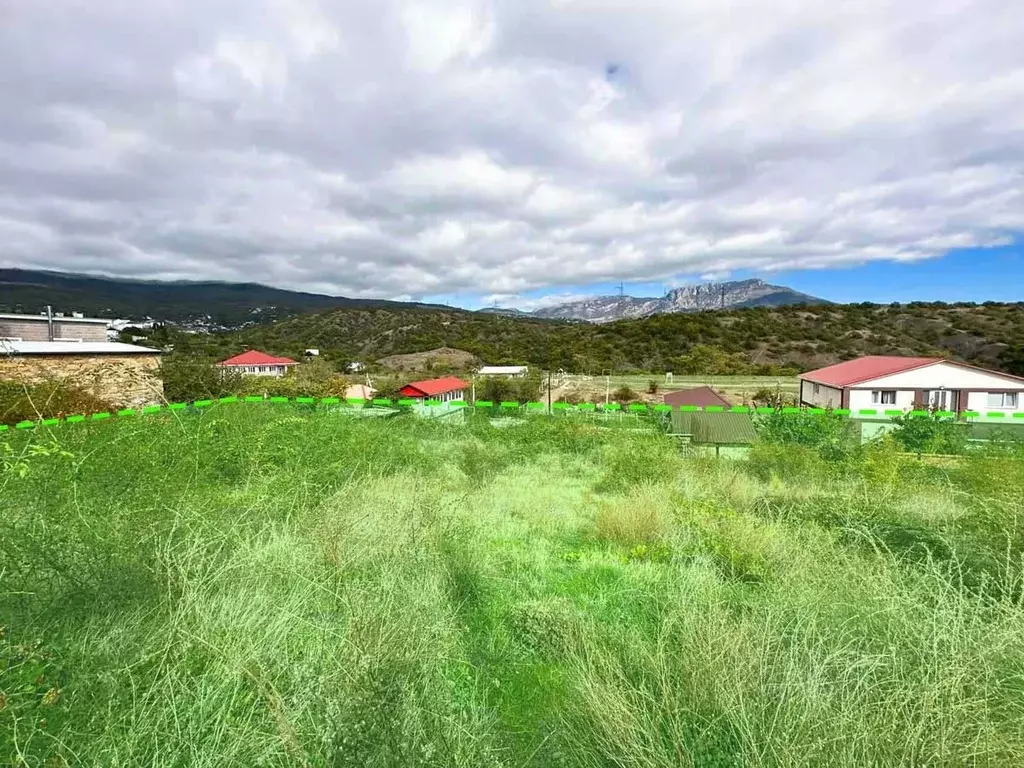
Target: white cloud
{"points": [[399, 148]]}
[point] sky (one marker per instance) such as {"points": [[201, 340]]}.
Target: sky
{"points": [[519, 152]]}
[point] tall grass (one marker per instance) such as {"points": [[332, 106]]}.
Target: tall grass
{"points": [[253, 586]]}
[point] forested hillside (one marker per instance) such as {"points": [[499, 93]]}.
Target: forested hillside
{"points": [[752, 340]]}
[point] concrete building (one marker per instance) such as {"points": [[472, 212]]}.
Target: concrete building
{"points": [[905, 383], [18, 327]]}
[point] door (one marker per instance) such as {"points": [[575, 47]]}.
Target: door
{"points": [[941, 399]]}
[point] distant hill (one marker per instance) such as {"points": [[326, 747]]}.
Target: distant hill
{"points": [[209, 305], [747, 340], [693, 298], [443, 357]]}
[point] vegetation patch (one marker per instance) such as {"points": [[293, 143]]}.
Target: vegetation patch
{"points": [[273, 586]]}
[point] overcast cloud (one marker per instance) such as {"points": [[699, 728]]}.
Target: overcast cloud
{"points": [[401, 149]]}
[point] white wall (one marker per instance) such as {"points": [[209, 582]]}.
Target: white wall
{"points": [[978, 401], [254, 370], [826, 397], [861, 398], [944, 376]]}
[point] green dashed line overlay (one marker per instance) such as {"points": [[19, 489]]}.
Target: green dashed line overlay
{"points": [[531, 407]]}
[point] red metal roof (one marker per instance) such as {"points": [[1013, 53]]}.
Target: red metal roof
{"points": [[866, 368], [255, 357], [432, 387], [699, 396]]}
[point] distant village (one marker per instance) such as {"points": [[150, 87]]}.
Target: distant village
{"points": [[83, 353]]}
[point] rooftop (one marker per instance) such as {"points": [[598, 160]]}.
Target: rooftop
{"points": [[73, 348], [56, 319], [699, 396], [502, 369], [866, 368], [255, 357], [437, 386]]}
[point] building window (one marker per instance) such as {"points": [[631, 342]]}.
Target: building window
{"points": [[816, 389], [883, 396], [1002, 399]]}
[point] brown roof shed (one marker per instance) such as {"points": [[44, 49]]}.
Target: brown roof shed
{"points": [[699, 396]]}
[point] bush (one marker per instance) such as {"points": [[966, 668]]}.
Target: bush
{"points": [[496, 389], [500, 389], [833, 437], [652, 387], [930, 434], [624, 395], [194, 378], [49, 400]]}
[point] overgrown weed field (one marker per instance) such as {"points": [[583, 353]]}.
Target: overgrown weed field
{"points": [[263, 587], [737, 388]]}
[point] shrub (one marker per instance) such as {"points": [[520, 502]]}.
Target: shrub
{"points": [[652, 387], [624, 395], [832, 436], [496, 389], [49, 400], [930, 434], [194, 378]]}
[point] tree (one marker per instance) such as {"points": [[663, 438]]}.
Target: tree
{"points": [[191, 378], [930, 434], [496, 389], [1012, 359], [832, 436]]}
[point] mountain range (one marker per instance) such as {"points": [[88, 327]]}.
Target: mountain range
{"points": [[222, 306], [203, 305], [734, 294]]}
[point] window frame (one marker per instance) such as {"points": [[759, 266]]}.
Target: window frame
{"points": [[880, 399], [1012, 397]]}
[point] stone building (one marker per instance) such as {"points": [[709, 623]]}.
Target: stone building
{"points": [[124, 375]]}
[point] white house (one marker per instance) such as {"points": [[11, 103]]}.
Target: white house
{"points": [[514, 371], [255, 363], [905, 383]]}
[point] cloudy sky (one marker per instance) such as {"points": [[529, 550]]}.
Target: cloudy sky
{"points": [[505, 150]]}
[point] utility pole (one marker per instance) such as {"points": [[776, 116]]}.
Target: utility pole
{"points": [[549, 387], [622, 290]]}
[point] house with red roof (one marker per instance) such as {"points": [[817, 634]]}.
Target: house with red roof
{"points": [[882, 382], [446, 389], [256, 363]]}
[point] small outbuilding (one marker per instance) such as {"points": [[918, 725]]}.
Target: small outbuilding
{"points": [[446, 389], [513, 371], [700, 397]]}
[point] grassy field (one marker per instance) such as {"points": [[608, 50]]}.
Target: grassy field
{"points": [[737, 389], [259, 587]]}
